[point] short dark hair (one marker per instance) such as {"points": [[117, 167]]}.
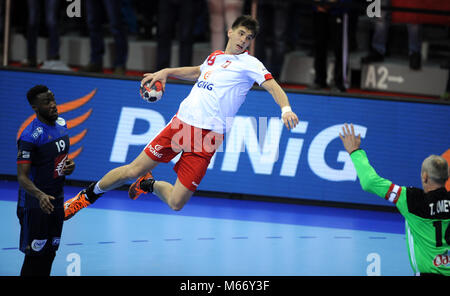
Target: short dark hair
{"points": [[247, 21], [35, 91]]}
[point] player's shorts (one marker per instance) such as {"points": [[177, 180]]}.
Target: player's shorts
{"points": [[40, 233], [197, 146]]}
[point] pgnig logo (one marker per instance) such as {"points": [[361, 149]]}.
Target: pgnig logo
{"points": [[205, 85]]}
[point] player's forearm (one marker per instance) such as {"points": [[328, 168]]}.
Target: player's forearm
{"points": [[280, 97], [29, 186], [277, 92], [185, 73], [368, 178]]}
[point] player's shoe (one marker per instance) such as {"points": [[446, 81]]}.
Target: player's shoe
{"points": [[143, 184], [75, 204]]}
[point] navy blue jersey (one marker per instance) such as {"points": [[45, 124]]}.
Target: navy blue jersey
{"points": [[46, 147]]}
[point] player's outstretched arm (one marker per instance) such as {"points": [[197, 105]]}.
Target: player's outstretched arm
{"points": [[289, 118], [349, 139], [369, 179], [184, 73]]}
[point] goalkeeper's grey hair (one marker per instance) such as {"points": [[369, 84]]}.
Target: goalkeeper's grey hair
{"points": [[437, 168]]}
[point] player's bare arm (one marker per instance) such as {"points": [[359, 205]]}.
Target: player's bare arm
{"points": [[349, 139], [23, 170], [184, 73], [289, 118]]}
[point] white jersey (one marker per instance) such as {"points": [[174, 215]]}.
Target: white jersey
{"points": [[221, 89]]}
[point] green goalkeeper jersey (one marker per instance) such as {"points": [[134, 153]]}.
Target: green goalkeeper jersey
{"points": [[427, 217]]}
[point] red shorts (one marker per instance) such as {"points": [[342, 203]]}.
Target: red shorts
{"points": [[197, 146]]}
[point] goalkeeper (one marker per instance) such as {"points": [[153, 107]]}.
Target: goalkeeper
{"points": [[426, 211]]}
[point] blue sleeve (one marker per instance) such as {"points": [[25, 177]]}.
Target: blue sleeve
{"points": [[25, 147]]}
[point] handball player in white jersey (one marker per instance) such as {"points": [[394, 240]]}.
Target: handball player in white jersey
{"points": [[197, 130]]}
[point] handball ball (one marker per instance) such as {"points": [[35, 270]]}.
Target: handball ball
{"points": [[151, 94]]}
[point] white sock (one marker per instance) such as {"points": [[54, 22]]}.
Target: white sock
{"points": [[97, 189]]}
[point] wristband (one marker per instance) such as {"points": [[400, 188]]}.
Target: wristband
{"points": [[355, 150], [285, 109]]}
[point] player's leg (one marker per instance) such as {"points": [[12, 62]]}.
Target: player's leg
{"points": [[233, 9], [216, 24], [190, 168], [36, 240], [27, 266], [120, 175], [175, 196], [113, 179], [38, 265]]}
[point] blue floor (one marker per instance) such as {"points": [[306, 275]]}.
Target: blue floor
{"points": [[214, 237]]}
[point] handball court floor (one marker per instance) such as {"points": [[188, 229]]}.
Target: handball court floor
{"points": [[214, 237]]}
